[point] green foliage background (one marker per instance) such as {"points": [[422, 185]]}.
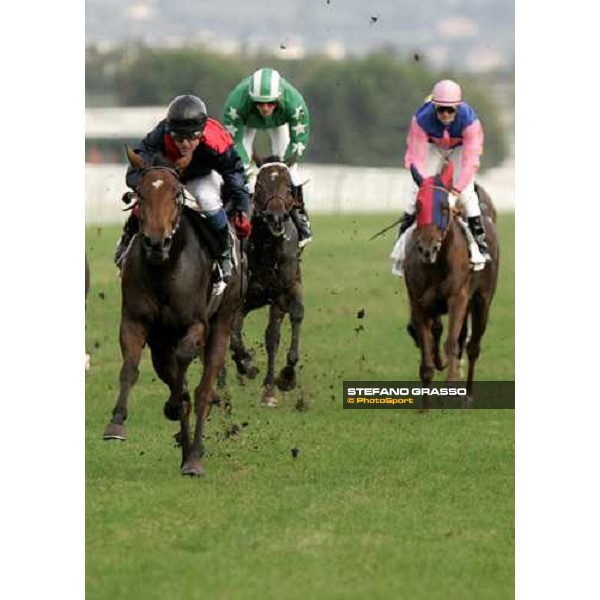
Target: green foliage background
{"points": [[360, 107]]}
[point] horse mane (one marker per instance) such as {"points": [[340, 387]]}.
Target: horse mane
{"points": [[160, 160]]}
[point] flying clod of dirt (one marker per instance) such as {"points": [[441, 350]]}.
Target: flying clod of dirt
{"points": [[295, 452], [360, 314]]}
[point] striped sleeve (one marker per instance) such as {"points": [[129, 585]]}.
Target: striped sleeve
{"points": [[472, 150], [416, 146], [299, 124]]}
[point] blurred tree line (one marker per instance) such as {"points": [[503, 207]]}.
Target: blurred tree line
{"points": [[360, 107]]}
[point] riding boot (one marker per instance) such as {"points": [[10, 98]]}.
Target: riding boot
{"points": [[131, 227], [407, 220], [478, 231], [224, 257], [300, 218]]}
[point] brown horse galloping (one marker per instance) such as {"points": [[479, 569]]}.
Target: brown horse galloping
{"points": [[439, 279], [274, 277], [167, 303]]}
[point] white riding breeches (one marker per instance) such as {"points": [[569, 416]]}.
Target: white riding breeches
{"points": [[206, 191], [280, 140], [434, 161]]}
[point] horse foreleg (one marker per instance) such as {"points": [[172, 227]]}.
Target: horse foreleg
{"points": [[272, 336], [457, 310], [437, 335], [241, 357], [286, 380], [423, 326], [479, 316], [214, 357], [132, 337], [187, 349]]}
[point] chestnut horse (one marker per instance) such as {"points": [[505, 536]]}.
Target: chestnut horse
{"points": [[439, 279], [274, 277], [167, 303]]}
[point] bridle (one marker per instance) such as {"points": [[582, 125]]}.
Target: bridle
{"points": [[179, 195], [260, 212], [452, 210]]}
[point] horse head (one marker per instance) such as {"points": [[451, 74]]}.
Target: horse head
{"points": [[159, 197], [273, 197], [433, 211]]}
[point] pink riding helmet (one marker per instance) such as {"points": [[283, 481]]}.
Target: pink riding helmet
{"points": [[446, 93]]}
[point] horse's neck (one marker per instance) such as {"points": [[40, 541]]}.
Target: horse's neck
{"points": [[453, 237], [267, 249]]}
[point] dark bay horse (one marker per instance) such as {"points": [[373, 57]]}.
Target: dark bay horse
{"points": [[439, 279], [274, 277], [167, 303]]}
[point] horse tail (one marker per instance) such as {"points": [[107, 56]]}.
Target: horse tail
{"points": [[486, 204]]}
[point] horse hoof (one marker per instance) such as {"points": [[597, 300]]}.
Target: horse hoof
{"points": [[285, 385], [192, 468], [269, 402], [252, 372], [286, 380], [172, 411], [115, 431], [467, 402], [247, 370]]}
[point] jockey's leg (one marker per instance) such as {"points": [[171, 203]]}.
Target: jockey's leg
{"points": [[280, 140], [131, 227], [432, 163], [248, 145], [470, 201], [298, 212], [408, 218], [207, 192]]}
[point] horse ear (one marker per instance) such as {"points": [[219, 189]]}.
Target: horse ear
{"points": [[135, 160], [447, 175], [182, 163], [418, 178]]}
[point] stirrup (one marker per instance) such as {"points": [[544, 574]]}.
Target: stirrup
{"points": [[302, 243], [219, 283]]}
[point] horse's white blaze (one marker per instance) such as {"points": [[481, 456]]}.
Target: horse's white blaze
{"points": [[157, 183], [274, 176]]}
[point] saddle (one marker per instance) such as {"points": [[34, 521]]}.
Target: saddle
{"points": [[203, 229]]}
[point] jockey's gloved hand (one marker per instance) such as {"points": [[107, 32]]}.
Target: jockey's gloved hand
{"points": [[127, 197], [242, 224], [453, 197]]}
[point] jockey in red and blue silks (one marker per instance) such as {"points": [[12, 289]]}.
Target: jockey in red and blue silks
{"points": [[187, 130], [446, 128]]}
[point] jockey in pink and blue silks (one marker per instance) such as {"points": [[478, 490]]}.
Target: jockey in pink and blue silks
{"points": [[446, 128]]}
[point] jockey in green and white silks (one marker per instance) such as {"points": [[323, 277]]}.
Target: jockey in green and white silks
{"points": [[266, 101]]}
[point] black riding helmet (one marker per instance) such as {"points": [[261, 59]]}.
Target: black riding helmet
{"points": [[186, 115]]}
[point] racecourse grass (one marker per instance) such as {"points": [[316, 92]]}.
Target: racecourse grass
{"points": [[377, 504]]}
